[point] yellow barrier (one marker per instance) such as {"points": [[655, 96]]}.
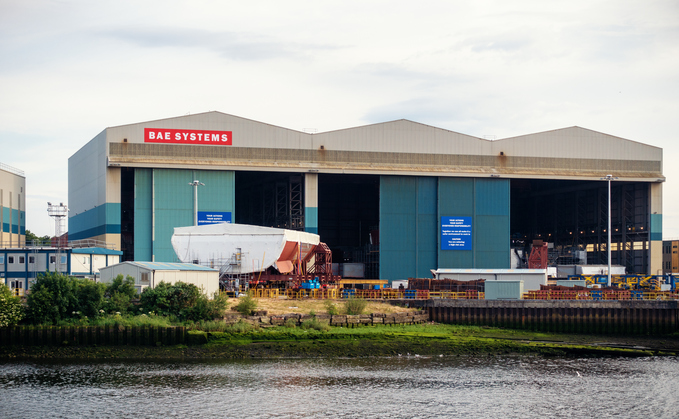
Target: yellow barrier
{"points": [[264, 292], [391, 294]]}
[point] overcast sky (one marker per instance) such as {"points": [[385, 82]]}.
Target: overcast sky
{"points": [[492, 69]]}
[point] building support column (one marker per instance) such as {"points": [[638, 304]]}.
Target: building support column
{"points": [[655, 234], [311, 202]]}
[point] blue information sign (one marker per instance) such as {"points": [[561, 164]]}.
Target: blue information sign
{"points": [[213, 217], [456, 233]]}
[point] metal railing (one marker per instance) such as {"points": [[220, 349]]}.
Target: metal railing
{"points": [[8, 168]]}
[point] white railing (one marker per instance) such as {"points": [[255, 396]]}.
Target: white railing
{"points": [[8, 168]]}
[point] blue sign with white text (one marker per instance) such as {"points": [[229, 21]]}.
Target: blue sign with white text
{"points": [[456, 233], [213, 217]]}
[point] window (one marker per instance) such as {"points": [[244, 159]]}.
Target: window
{"points": [[31, 259], [2, 258], [22, 259], [53, 259], [145, 278], [63, 259], [10, 259]]}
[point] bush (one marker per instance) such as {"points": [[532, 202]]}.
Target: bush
{"points": [[120, 294], [55, 297], [246, 305], [183, 301], [210, 309], [209, 326], [316, 325], [241, 327], [355, 306], [290, 323], [331, 308], [11, 311]]}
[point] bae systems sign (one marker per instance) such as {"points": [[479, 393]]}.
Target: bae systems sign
{"points": [[187, 136]]}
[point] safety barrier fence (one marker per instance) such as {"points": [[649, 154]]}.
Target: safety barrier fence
{"points": [[371, 294], [394, 294], [600, 295], [92, 335]]}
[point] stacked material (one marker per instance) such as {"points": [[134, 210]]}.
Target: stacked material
{"points": [[451, 285]]}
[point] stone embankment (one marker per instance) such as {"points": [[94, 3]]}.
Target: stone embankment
{"points": [[344, 320]]}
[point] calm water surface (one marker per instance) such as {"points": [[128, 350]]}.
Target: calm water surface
{"points": [[403, 387]]}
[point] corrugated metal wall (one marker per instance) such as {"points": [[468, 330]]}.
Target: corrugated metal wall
{"points": [[164, 197], [410, 213], [407, 226], [491, 227], [143, 214]]}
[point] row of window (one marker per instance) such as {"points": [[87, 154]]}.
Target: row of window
{"points": [[667, 249], [31, 259]]}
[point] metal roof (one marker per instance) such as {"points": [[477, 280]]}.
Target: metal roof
{"points": [[388, 148], [97, 251], [170, 266]]}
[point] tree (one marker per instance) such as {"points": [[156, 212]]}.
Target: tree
{"points": [[120, 293], [35, 240], [11, 311]]}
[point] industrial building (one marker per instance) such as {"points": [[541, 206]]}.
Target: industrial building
{"points": [[12, 206], [670, 256], [401, 198], [20, 266]]}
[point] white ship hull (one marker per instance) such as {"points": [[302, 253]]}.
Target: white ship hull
{"points": [[242, 248]]}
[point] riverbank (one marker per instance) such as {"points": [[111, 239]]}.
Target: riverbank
{"points": [[375, 341]]}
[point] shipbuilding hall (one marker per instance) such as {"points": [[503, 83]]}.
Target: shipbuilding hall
{"points": [[401, 198]]}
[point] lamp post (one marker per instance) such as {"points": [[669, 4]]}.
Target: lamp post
{"points": [[609, 178], [195, 184]]}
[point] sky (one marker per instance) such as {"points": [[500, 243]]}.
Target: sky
{"points": [[491, 69]]}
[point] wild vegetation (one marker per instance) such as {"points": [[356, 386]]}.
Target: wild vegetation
{"points": [[11, 311], [57, 299]]}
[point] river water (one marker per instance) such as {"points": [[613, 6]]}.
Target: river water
{"points": [[399, 387]]}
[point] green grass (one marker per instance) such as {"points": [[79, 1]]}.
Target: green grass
{"points": [[120, 320]]}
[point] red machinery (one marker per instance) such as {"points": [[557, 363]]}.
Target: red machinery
{"points": [[538, 258]]}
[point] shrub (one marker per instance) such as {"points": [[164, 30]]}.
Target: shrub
{"points": [[209, 309], [183, 301], [55, 297], [240, 327], [120, 293], [355, 306], [89, 297], [290, 323], [246, 305], [209, 326], [316, 325], [11, 311], [331, 308]]}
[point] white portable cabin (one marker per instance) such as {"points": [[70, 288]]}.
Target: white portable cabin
{"points": [[150, 274]]}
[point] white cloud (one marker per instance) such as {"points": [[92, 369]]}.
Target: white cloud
{"points": [[68, 69]]}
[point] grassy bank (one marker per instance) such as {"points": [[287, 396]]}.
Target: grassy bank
{"points": [[410, 340]]}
